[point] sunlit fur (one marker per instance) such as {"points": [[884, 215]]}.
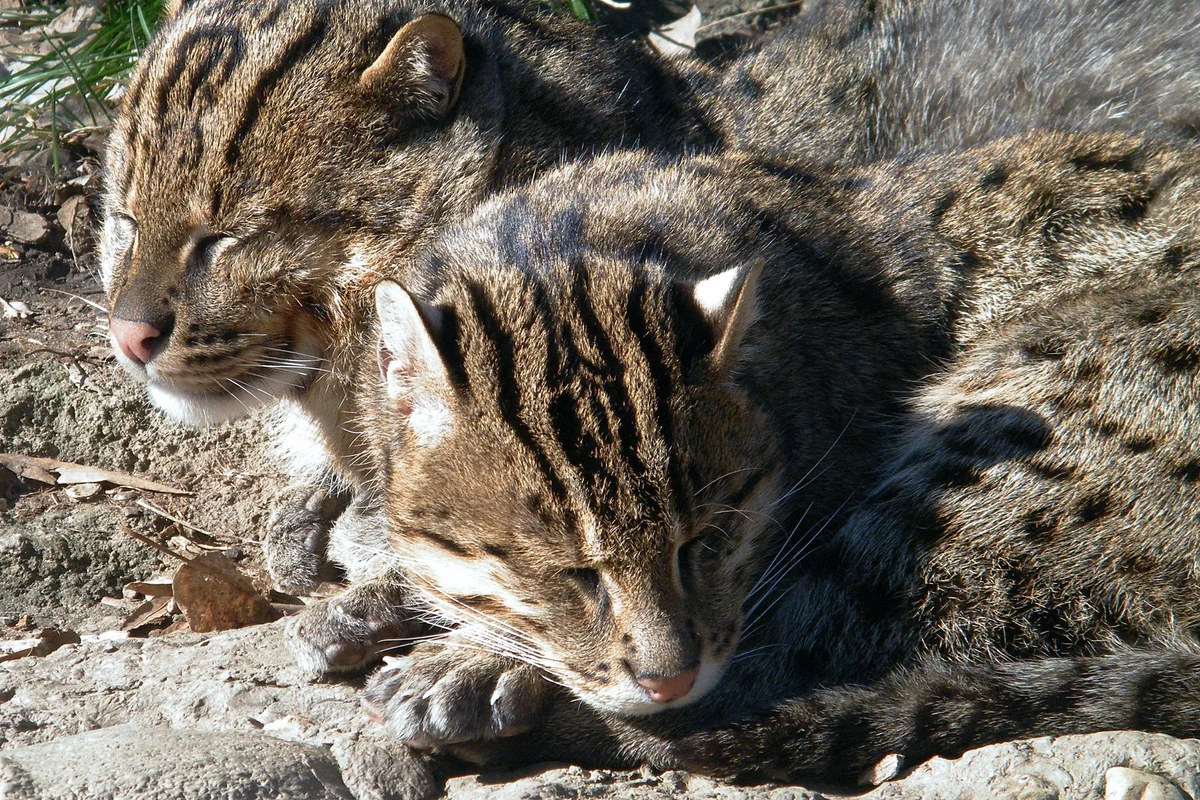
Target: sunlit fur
{"points": [[592, 458], [959, 428], [251, 161]]}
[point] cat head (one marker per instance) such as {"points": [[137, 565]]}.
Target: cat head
{"points": [[255, 143], [572, 476]]}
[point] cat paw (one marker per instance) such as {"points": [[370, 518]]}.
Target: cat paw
{"points": [[297, 535], [350, 632], [441, 695]]}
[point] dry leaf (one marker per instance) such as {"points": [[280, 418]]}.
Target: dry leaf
{"points": [[48, 640], [677, 38], [40, 469], [215, 596], [84, 491], [149, 588], [148, 613], [9, 253]]}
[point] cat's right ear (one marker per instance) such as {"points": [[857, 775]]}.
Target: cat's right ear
{"points": [[410, 365], [728, 302], [421, 69]]}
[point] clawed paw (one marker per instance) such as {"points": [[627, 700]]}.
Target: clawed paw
{"points": [[297, 536], [441, 695], [350, 632]]}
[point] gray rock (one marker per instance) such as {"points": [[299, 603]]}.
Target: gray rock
{"points": [[235, 710], [1067, 767], [135, 762], [239, 684], [1122, 783]]}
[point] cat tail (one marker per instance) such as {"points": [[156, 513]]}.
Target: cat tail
{"points": [[939, 709]]}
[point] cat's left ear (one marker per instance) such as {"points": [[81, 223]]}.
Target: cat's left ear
{"points": [[728, 304], [410, 365], [421, 70]]}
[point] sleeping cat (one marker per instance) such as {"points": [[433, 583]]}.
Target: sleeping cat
{"points": [[691, 439], [265, 147], [262, 144]]}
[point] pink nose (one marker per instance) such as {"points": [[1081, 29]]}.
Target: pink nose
{"points": [[673, 687], [134, 339]]}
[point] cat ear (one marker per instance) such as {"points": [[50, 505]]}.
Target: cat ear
{"points": [[728, 304], [172, 8], [409, 362], [421, 68]]}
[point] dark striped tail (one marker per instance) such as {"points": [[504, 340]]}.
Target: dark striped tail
{"points": [[943, 710]]}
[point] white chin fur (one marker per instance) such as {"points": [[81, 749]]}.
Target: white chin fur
{"points": [[631, 700], [196, 411]]}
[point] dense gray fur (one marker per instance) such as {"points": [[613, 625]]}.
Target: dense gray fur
{"points": [[961, 431]]}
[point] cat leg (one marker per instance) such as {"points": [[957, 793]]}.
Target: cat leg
{"points": [[350, 632], [298, 535], [451, 692]]}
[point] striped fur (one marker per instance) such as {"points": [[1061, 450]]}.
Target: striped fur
{"points": [[959, 432], [263, 145], [252, 162]]}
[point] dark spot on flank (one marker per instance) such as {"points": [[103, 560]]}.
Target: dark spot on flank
{"points": [[626, 639], [194, 328], [1045, 348], [1094, 507], [1152, 315], [1139, 444], [994, 178], [1176, 357], [988, 431], [1188, 471], [1106, 428], [495, 550], [1174, 257], [1090, 162], [1134, 207], [1039, 523], [944, 204]]}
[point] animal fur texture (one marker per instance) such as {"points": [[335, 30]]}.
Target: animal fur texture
{"points": [[696, 438]]}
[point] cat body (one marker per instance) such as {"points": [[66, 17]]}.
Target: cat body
{"points": [[853, 81], [695, 439], [270, 156], [263, 146]]}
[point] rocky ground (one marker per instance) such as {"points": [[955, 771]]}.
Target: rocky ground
{"points": [[135, 706]]}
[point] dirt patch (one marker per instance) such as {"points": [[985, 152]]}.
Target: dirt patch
{"points": [[62, 396]]}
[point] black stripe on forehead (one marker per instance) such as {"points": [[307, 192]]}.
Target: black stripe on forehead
{"points": [[615, 390], [213, 52], [295, 52], [660, 376], [579, 445], [508, 394]]}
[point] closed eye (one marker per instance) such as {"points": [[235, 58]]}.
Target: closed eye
{"points": [[204, 249], [588, 580]]}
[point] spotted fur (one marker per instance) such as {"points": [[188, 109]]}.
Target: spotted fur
{"points": [[803, 427]]}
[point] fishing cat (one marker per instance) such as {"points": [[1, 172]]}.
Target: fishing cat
{"points": [[261, 146], [691, 439]]}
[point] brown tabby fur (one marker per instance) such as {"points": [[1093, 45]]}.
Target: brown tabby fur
{"points": [[263, 146], [258, 149], [943, 419]]}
